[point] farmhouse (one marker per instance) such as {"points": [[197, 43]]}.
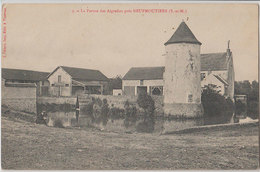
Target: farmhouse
{"points": [[69, 81], [215, 68], [23, 78]]}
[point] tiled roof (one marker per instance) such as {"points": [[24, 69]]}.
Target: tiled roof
{"points": [[144, 73], [213, 61], [209, 62], [23, 75], [183, 34], [83, 74]]}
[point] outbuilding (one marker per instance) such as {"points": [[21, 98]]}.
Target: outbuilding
{"points": [[69, 81]]}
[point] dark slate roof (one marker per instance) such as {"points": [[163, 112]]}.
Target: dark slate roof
{"points": [[209, 62], [183, 34], [221, 79], [23, 75], [83, 74], [213, 61], [144, 73]]}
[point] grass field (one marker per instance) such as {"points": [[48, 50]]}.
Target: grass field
{"points": [[26, 145]]}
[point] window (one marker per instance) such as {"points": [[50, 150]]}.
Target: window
{"points": [[67, 85], [156, 90], [190, 98], [52, 85], [225, 90], [59, 78], [141, 82], [202, 76]]}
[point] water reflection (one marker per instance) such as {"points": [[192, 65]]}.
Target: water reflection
{"points": [[134, 123], [67, 119]]}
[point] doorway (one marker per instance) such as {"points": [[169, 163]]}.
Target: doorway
{"points": [[141, 90]]}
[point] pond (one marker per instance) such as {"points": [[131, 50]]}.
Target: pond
{"points": [[138, 123]]}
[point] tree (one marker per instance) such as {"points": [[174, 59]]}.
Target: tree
{"points": [[242, 87], [115, 83], [251, 90], [215, 105], [146, 102], [254, 93], [240, 107]]}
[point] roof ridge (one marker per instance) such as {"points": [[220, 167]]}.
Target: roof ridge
{"points": [[25, 70], [148, 67], [79, 68], [214, 53]]}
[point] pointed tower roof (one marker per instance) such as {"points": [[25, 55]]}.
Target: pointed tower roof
{"points": [[183, 34]]}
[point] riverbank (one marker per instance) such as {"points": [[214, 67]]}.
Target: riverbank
{"points": [[26, 145], [216, 127]]}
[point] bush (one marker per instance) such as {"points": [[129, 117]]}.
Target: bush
{"points": [[116, 113], [98, 102], [130, 116], [240, 107], [88, 109], [252, 109], [147, 103], [104, 112], [251, 90], [58, 123], [216, 106]]}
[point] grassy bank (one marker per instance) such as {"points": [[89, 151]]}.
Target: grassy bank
{"points": [[26, 145]]}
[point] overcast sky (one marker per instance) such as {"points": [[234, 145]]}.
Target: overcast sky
{"points": [[44, 36]]}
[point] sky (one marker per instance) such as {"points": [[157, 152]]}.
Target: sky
{"points": [[43, 36]]}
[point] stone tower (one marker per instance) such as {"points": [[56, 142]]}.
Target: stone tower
{"points": [[182, 89]]}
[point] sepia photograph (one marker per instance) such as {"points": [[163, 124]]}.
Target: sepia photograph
{"points": [[129, 86]]}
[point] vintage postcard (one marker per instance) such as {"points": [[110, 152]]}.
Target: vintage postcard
{"points": [[129, 86]]}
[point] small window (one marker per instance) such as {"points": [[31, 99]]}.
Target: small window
{"points": [[59, 78], [52, 85], [67, 85], [190, 98], [225, 90], [202, 76], [141, 82]]}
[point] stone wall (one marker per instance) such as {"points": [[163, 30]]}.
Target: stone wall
{"points": [[119, 101], [56, 100], [19, 98], [183, 110], [116, 101]]}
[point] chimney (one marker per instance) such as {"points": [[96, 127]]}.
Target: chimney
{"points": [[228, 50]]}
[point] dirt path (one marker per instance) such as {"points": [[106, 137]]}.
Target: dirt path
{"points": [[29, 146]]}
